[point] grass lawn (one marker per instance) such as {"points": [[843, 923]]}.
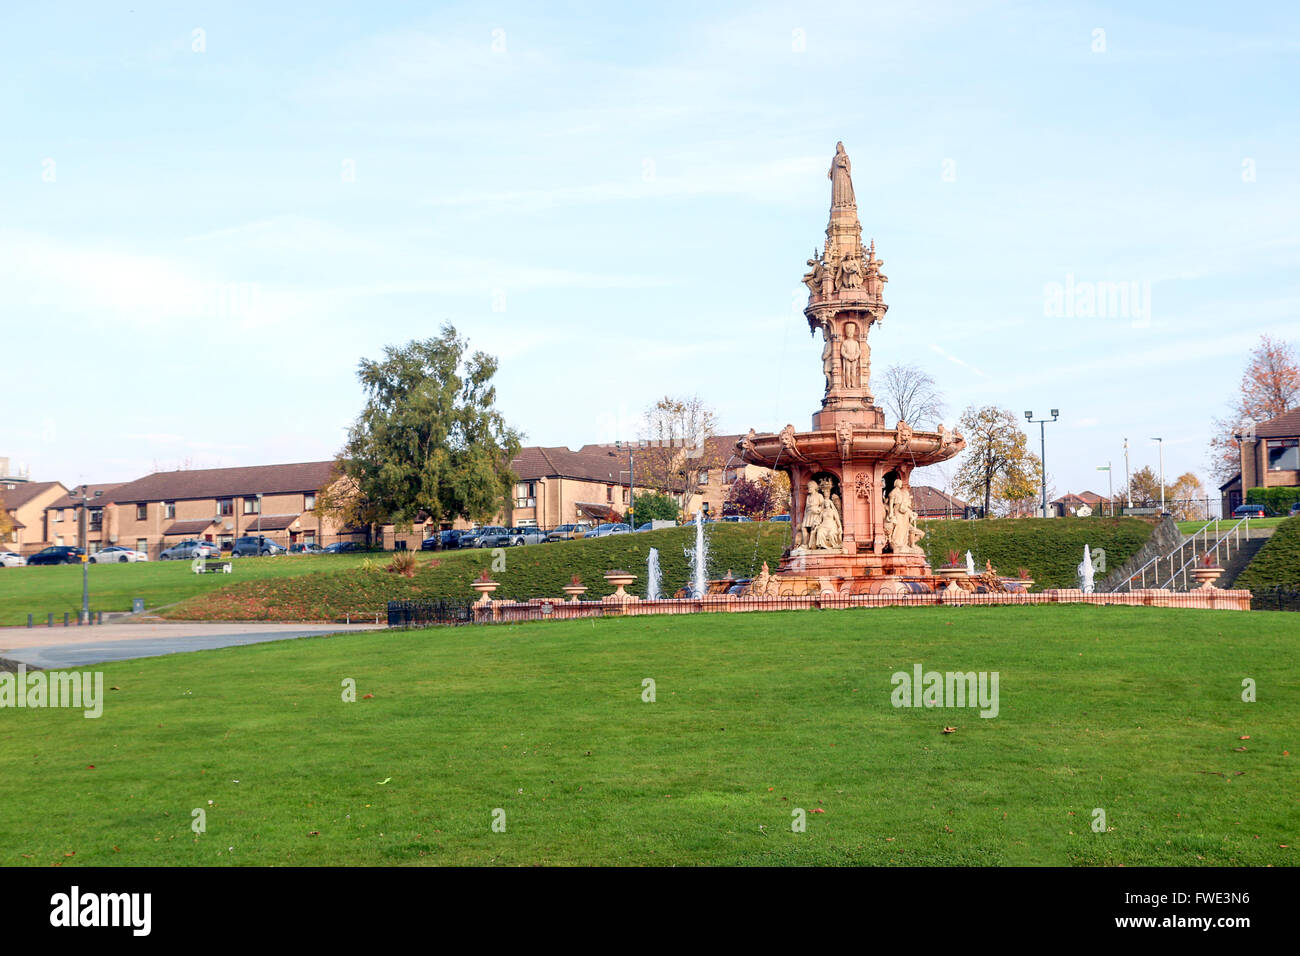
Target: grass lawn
{"points": [[57, 588], [1133, 710], [1189, 527]]}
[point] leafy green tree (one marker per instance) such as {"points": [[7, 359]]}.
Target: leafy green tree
{"points": [[655, 506], [429, 441], [997, 464]]}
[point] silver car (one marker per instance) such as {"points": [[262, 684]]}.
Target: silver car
{"points": [[187, 550]]}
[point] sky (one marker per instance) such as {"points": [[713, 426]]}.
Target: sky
{"points": [[209, 213]]}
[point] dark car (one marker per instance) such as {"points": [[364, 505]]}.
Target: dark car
{"points": [[443, 540], [58, 554], [343, 547], [1295, 509], [252, 545], [1253, 511]]}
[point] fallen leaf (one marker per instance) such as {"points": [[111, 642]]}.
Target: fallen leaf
{"points": [[950, 730], [367, 696], [314, 833], [1246, 737]]}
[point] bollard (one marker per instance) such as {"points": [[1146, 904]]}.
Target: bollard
{"points": [[29, 620], [65, 618], [49, 620], [100, 618]]}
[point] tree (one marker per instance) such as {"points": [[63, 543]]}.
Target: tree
{"points": [[998, 465], [429, 441], [749, 498], [655, 506], [678, 432], [1270, 387], [6, 523], [1184, 498], [911, 395], [1144, 488]]}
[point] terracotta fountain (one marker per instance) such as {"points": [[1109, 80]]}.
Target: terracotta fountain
{"points": [[854, 529]]}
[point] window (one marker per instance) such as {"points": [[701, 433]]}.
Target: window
{"points": [[1284, 454], [309, 537], [142, 544], [225, 541], [141, 512], [169, 509], [526, 494], [251, 506], [58, 514], [703, 476], [731, 476], [308, 502], [225, 506], [609, 492], [96, 519]]}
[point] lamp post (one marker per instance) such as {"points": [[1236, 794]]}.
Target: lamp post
{"points": [[86, 498], [1042, 444], [259, 523], [1128, 482], [1110, 486], [1161, 443], [631, 478]]}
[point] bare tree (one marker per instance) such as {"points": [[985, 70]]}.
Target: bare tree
{"points": [[678, 433], [911, 395]]}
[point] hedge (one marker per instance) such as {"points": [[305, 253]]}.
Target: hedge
{"points": [[1279, 499]]}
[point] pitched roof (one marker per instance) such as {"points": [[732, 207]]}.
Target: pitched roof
{"points": [[22, 492], [590, 463], [309, 477], [927, 500], [1284, 426], [73, 498]]}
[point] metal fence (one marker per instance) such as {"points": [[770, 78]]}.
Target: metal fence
{"points": [[427, 613], [1275, 599]]}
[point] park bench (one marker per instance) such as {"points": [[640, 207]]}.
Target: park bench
{"points": [[203, 566]]}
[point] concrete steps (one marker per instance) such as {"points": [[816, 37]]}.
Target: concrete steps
{"points": [[1233, 567]]}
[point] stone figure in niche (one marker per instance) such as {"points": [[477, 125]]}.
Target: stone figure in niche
{"points": [[828, 355], [851, 356], [900, 522], [849, 273], [830, 532], [813, 278], [813, 506]]}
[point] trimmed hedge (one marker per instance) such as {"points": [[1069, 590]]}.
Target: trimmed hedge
{"points": [[1279, 499], [1277, 564], [1050, 548]]}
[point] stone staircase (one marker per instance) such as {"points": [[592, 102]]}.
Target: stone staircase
{"points": [[1233, 567]]}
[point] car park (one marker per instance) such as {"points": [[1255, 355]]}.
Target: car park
{"points": [[604, 530], [116, 554], [56, 554], [189, 549], [11, 559], [566, 532]]}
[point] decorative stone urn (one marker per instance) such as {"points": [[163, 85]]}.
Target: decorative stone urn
{"points": [[1206, 576], [620, 580], [485, 588], [952, 575], [1025, 583], [575, 592]]}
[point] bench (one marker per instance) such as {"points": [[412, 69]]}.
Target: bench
{"points": [[202, 566]]}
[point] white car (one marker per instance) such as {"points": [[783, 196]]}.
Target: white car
{"points": [[116, 554], [10, 559]]}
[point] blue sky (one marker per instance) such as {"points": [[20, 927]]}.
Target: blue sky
{"points": [[201, 233]]}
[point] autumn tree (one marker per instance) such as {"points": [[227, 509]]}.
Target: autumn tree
{"points": [[6, 523], [1184, 499], [911, 395], [1270, 387], [997, 464], [429, 441], [678, 435], [750, 498]]}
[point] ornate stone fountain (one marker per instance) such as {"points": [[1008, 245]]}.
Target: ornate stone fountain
{"points": [[853, 525]]}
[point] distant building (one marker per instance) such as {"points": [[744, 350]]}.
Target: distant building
{"points": [[25, 502], [930, 502], [1269, 456], [1068, 504]]}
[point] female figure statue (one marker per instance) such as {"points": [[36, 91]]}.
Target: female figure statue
{"points": [[840, 176]]}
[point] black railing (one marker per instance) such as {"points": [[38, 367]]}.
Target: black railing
{"points": [[1275, 599], [425, 613]]}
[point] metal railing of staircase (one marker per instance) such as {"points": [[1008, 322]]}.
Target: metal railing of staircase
{"points": [[1234, 533]]}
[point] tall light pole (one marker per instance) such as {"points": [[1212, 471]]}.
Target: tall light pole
{"points": [[1110, 486], [1161, 443], [1042, 443], [1128, 482], [259, 523], [85, 548]]}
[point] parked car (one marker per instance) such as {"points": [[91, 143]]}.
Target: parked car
{"points": [[779, 518], [446, 540], [308, 548], [493, 536], [56, 554], [343, 547], [735, 518], [11, 559], [656, 524], [604, 530], [567, 531], [1253, 511], [252, 546], [190, 549], [528, 535], [1295, 509], [116, 554]]}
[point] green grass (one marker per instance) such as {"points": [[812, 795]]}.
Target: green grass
{"points": [[1051, 549], [1190, 527], [1277, 564], [57, 589], [1132, 710]]}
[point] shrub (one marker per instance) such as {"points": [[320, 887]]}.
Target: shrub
{"points": [[403, 563], [1279, 499]]}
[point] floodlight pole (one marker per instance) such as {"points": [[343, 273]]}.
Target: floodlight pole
{"points": [[1042, 444], [1161, 443]]}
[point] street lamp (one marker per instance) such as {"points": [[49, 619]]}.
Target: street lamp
{"points": [[1161, 443], [1042, 443], [86, 498], [631, 478], [259, 522], [1128, 482]]}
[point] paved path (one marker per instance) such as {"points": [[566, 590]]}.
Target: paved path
{"points": [[79, 646]]}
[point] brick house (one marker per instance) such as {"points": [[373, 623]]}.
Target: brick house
{"points": [[1269, 458], [930, 502], [25, 502]]}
